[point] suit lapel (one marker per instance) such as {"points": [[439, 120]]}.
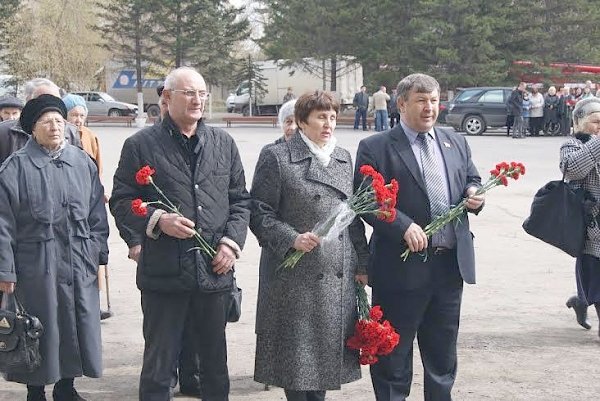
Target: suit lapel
{"points": [[332, 175], [404, 150]]}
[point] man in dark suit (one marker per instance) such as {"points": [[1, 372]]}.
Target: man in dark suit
{"points": [[421, 296]]}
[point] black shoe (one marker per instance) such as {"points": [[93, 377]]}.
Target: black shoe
{"points": [[105, 314], [64, 391], [190, 391], [67, 396], [36, 393], [580, 311]]}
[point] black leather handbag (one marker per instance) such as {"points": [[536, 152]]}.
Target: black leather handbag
{"points": [[235, 303], [19, 340], [558, 216]]}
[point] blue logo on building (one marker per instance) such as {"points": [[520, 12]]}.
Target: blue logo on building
{"points": [[127, 80]]}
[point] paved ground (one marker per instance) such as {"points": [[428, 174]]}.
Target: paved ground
{"points": [[517, 341]]}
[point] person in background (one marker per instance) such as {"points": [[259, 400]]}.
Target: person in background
{"points": [[526, 113], [579, 162], [515, 104], [53, 234], [305, 314], [289, 95], [13, 138], [361, 103], [587, 91], [393, 109], [10, 108], [551, 101], [162, 104], [565, 110], [536, 116], [287, 121], [380, 99], [76, 115]]}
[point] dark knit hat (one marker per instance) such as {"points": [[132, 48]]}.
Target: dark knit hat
{"points": [[10, 101], [35, 108]]}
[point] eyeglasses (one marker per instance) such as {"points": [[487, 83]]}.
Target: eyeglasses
{"points": [[191, 93], [49, 121]]}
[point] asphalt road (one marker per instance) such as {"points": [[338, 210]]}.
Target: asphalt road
{"points": [[517, 340]]}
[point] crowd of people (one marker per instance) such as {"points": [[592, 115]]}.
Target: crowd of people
{"points": [[529, 112], [54, 230]]}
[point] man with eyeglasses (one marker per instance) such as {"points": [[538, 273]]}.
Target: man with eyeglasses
{"points": [[199, 169]]}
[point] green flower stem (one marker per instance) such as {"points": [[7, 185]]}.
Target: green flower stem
{"points": [[454, 213], [362, 301], [204, 245]]}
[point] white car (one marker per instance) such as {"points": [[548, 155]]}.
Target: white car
{"points": [[229, 103], [103, 104]]}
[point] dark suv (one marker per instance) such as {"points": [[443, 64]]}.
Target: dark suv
{"points": [[473, 110]]}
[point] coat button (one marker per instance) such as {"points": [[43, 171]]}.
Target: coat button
{"points": [[69, 283], [320, 276], [340, 274], [341, 237], [196, 186], [317, 197], [199, 208], [65, 204]]}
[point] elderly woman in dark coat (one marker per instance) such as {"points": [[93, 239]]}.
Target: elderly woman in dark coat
{"points": [[53, 232], [579, 158], [305, 314]]}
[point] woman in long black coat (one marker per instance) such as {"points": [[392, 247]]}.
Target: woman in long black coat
{"points": [[53, 231]]}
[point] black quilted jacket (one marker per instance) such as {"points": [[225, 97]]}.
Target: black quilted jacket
{"points": [[215, 198]]}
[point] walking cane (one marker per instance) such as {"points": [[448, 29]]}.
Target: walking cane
{"points": [[108, 313]]}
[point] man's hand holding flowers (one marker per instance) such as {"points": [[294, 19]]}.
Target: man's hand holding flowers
{"points": [[474, 200], [176, 226]]}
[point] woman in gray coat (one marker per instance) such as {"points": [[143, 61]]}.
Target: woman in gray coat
{"points": [[53, 228], [306, 313]]}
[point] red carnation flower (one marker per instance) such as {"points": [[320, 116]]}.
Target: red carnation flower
{"points": [[144, 175], [138, 207], [376, 313]]}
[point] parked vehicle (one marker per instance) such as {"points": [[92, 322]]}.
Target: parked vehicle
{"points": [[230, 103], [279, 77], [443, 112], [122, 84], [473, 110], [102, 104]]}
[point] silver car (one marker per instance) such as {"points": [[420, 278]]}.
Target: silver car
{"points": [[102, 104]]}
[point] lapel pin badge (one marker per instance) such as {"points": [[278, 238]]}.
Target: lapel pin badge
{"points": [[446, 144]]}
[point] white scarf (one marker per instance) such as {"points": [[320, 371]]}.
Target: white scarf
{"points": [[323, 154]]}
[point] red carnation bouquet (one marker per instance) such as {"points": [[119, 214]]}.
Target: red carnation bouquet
{"points": [[372, 336], [373, 196], [140, 208], [498, 176]]}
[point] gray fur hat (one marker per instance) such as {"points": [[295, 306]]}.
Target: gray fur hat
{"points": [[583, 109]]}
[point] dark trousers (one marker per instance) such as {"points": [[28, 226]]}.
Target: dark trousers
{"points": [[431, 314], [394, 119], [536, 124], [360, 113], [165, 315], [188, 370], [293, 395]]}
